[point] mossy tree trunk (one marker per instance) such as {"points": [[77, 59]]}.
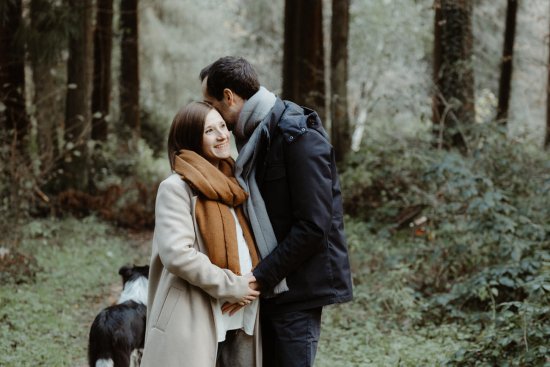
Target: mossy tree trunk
{"points": [[547, 137], [453, 102], [48, 29], [129, 69], [77, 105], [340, 126], [13, 114], [101, 92]]}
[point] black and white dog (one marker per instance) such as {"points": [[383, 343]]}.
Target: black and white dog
{"points": [[118, 332]]}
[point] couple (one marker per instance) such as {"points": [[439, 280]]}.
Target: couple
{"points": [[226, 231]]}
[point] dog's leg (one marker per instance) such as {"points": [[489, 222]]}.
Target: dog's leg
{"points": [[104, 363], [135, 357]]}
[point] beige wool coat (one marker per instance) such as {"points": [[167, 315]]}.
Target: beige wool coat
{"points": [[186, 290]]}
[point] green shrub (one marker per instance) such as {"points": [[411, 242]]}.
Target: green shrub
{"points": [[479, 258]]}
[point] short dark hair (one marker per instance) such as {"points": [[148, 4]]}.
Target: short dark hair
{"points": [[230, 72], [187, 129]]}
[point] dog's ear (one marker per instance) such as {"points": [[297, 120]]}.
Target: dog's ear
{"points": [[143, 270], [125, 272]]}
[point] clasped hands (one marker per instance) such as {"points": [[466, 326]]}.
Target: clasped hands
{"points": [[253, 293]]}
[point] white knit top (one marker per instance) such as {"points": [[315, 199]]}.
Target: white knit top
{"points": [[246, 316]]}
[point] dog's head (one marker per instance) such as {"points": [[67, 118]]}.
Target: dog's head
{"points": [[135, 280], [129, 273]]}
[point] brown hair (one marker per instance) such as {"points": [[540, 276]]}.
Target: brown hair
{"points": [[230, 72], [187, 129]]}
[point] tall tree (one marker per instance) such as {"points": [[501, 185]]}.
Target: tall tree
{"points": [[506, 64], [14, 121], [101, 92], [340, 128], [12, 75], [77, 105], [303, 60], [129, 67], [453, 104], [547, 138], [48, 29]]}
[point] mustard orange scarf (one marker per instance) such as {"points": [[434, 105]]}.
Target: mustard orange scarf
{"points": [[218, 191]]}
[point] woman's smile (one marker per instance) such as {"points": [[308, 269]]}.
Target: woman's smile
{"points": [[215, 139]]}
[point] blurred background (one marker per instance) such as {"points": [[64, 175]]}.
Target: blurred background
{"points": [[438, 111]]}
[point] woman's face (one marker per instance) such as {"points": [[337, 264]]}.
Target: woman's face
{"points": [[215, 138]]}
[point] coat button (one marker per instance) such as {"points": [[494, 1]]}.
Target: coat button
{"points": [[291, 137], [303, 129]]}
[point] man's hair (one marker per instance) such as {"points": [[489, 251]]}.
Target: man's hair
{"points": [[187, 129], [230, 72]]}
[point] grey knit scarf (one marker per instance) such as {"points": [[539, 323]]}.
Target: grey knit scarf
{"points": [[252, 125]]}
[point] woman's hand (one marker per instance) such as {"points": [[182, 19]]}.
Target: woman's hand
{"points": [[252, 294]]}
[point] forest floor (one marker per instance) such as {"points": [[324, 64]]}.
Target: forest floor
{"points": [[140, 247], [73, 273]]}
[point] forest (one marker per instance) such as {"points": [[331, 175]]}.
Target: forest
{"points": [[438, 112]]}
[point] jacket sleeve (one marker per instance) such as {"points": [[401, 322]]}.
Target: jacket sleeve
{"points": [[175, 237], [308, 170]]}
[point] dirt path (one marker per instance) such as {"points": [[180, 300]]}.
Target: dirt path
{"points": [[141, 246]]}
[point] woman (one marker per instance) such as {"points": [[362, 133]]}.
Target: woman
{"points": [[201, 310]]}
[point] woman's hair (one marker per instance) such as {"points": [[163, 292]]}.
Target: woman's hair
{"points": [[187, 129]]}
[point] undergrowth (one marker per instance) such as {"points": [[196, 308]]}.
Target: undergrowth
{"points": [[46, 314], [450, 259], [469, 237]]}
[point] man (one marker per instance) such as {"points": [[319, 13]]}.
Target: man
{"points": [[287, 165]]}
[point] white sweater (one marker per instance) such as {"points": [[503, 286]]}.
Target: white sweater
{"points": [[246, 316]]}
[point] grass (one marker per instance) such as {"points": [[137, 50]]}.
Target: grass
{"points": [[46, 318], [379, 327]]}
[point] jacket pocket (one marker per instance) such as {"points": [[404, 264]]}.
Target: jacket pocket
{"points": [[168, 308]]}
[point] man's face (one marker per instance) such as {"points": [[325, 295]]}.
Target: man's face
{"points": [[228, 107]]}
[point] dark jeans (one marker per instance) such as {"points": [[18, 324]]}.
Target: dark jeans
{"points": [[290, 339]]}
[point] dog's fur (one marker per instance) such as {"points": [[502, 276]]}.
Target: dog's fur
{"points": [[118, 332]]}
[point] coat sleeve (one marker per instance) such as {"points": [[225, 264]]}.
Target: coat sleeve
{"points": [[309, 176], [175, 238]]}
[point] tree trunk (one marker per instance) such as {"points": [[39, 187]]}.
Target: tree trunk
{"points": [[507, 62], [547, 138], [437, 105], [303, 61], [101, 93], [340, 128], [77, 108], [13, 115], [454, 78], [129, 68], [14, 121], [46, 93]]}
